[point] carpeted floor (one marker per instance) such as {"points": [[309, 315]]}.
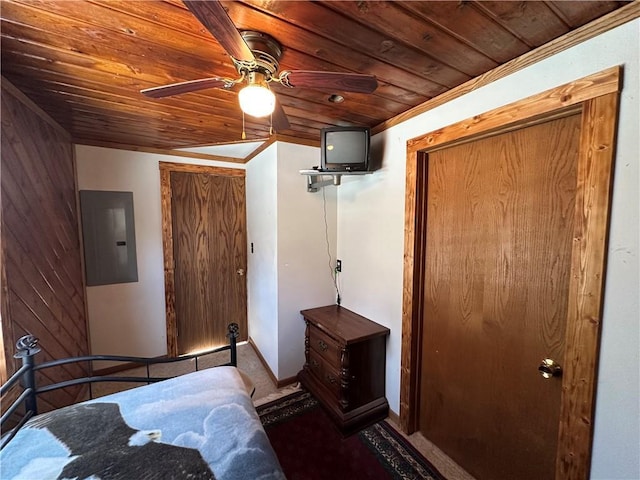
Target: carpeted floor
{"points": [[310, 447]]}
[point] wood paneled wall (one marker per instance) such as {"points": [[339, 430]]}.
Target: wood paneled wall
{"points": [[42, 279]]}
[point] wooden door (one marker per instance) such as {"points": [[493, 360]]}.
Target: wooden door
{"points": [[498, 257], [208, 223]]}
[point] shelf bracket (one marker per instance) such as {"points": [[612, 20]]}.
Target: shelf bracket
{"points": [[314, 182], [315, 178]]}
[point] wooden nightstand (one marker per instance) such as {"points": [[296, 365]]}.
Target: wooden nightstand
{"points": [[345, 356]]}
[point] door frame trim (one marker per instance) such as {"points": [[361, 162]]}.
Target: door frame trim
{"points": [[596, 97], [166, 168]]}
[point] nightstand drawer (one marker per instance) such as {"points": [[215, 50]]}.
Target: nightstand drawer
{"points": [[327, 347], [326, 375], [331, 379], [315, 364]]}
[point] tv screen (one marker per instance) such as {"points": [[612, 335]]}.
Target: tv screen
{"points": [[345, 149]]}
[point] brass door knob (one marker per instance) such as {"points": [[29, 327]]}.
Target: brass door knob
{"points": [[240, 271], [549, 368]]}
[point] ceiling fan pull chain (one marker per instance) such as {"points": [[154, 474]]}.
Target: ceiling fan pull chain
{"points": [[271, 124], [244, 135]]}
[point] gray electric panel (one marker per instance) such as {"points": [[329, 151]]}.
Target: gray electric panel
{"points": [[109, 237]]}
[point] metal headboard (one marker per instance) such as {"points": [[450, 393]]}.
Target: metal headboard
{"points": [[27, 348]]}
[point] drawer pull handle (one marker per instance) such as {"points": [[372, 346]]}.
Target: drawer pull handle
{"points": [[315, 363], [331, 379], [323, 346]]}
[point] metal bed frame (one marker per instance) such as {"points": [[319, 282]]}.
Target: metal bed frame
{"points": [[27, 348]]}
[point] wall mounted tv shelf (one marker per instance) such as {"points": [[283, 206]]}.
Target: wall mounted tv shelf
{"points": [[315, 180]]}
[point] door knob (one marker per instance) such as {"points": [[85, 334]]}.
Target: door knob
{"points": [[549, 368], [240, 271]]}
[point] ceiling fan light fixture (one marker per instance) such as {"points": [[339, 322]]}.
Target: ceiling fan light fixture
{"points": [[256, 57], [257, 100]]}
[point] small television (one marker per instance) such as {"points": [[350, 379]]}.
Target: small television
{"points": [[345, 149]]}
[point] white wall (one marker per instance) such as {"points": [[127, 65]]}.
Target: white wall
{"points": [[289, 269], [262, 274], [371, 235], [305, 243], [129, 318]]}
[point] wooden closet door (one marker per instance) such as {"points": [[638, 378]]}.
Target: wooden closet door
{"points": [[210, 255], [498, 251]]}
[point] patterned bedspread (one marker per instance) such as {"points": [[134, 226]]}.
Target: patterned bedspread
{"points": [[198, 426]]}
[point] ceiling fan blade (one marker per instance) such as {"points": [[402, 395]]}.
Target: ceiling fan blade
{"points": [[279, 118], [185, 87], [345, 82], [215, 19]]}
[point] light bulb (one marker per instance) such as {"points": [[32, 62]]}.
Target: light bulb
{"points": [[257, 101]]}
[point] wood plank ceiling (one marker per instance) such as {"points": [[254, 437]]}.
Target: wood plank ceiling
{"points": [[85, 62]]}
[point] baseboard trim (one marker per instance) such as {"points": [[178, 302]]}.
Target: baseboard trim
{"points": [[394, 417], [263, 361], [278, 383], [286, 381]]}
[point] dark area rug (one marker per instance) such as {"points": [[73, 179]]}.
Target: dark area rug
{"points": [[310, 447]]}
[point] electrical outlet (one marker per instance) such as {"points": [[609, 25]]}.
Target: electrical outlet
{"points": [[338, 265]]}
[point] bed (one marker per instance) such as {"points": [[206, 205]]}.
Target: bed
{"points": [[201, 425]]}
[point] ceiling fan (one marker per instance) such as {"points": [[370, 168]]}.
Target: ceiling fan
{"points": [[255, 56]]}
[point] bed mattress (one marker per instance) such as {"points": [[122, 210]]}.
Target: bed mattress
{"points": [[202, 425]]}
